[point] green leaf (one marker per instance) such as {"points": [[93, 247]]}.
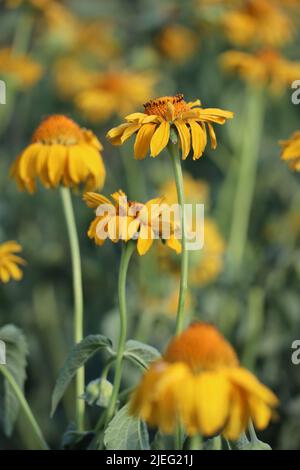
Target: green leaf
{"points": [[140, 353], [125, 432], [76, 358], [16, 353], [74, 440]]}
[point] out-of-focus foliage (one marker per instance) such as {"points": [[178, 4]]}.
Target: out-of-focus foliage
{"points": [[96, 61]]}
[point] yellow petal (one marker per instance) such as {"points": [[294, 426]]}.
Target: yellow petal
{"points": [[212, 135], [185, 137], [56, 163], [213, 394], [142, 141], [160, 138], [145, 240], [239, 415], [131, 129]]}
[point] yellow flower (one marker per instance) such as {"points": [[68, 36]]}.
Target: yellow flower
{"points": [[114, 92], [200, 383], [152, 128], [162, 304], [195, 191], [22, 69], [60, 153], [82, 78], [291, 151], [264, 68], [9, 261], [121, 219], [177, 42], [259, 22], [205, 264]]}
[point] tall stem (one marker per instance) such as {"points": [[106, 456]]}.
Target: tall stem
{"points": [[78, 299], [41, 443], [175, 157], [127, 251], [253, 127]]}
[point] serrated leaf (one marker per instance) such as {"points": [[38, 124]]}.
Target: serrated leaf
{"points": [[126, 432], [76, 358], [142, 354], [16, 352]]}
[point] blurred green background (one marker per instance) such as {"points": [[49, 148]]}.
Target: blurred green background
{"points": [[256, 307]]}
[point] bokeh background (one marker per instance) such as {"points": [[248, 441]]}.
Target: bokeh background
{"points": [[96, 61]]}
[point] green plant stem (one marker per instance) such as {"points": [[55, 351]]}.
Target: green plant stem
{"points": [[127, 250], [42, 445], [253, 128], [175, 157], [78, 299]]}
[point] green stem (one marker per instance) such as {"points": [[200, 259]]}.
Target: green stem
{"points": [[253, 128], [127, 251], [78, 299], [42, 445], [175, 157]]}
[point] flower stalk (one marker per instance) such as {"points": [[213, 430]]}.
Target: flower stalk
{"points": [[41, 443], [127, 251], [253, 123], [78, 299], [175, 157]]}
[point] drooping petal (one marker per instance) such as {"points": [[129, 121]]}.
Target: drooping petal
{"points": [[185, 137], [145, 239], [213, 138], [143, 139], [160, 138]]}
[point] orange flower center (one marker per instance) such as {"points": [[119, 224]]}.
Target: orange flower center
{"points": [[161, 106], [201, 347], [58, 129]]}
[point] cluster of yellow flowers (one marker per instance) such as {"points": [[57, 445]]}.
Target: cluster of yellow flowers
{"points": [[62, 153], [265, 26]]}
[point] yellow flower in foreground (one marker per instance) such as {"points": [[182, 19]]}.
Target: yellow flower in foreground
{"points": [[266, 67], [177, 42], [152, 128], [60, 153], [291, 151], [200, 383], [10, 262], [22, 69], [114, 92], [120, 219], [259, 22]]}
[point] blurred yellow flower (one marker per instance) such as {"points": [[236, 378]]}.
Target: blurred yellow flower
{"points": [[200, 383], [114, 92], [121, 219], [195, 191], [206, 264], [177, 42], [260, 22], [60, 153], [20, 68], [10, 262], [291, 151], [164, 304], [264, 68], [82, 78], [152, 128], [41, 4]]}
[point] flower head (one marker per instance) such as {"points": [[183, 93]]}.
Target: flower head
{"points": [[10, 262], [120, 219], [265, 67], [22, 69], [259, 22], [152, 128], [60, 153], [177, 43], [200, 383], [114, 92], [291, 151]]}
